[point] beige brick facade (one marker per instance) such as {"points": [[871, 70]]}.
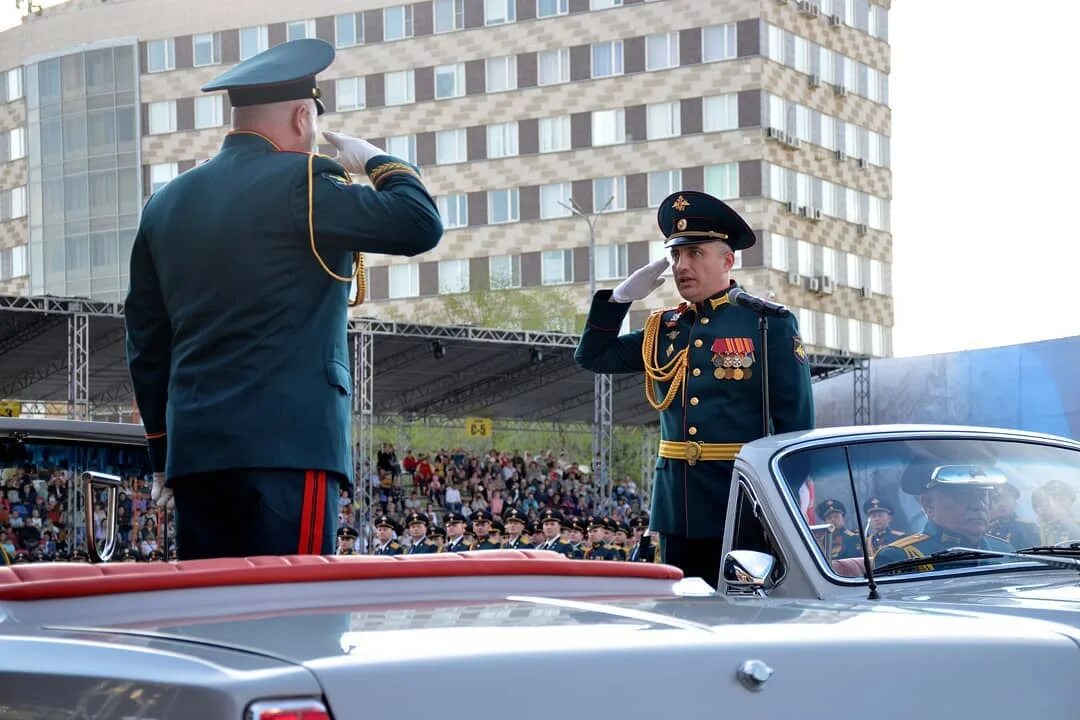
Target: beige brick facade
{"points": [[749, 76]]}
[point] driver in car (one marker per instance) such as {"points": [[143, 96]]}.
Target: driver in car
{"points": [[956, 500]]}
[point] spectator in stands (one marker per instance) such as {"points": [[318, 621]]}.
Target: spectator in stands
{"points": [[409, 462], [453, 499]]}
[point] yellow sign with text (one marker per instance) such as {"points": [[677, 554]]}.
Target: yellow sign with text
{"points": [[478, 427], [10, 408]]}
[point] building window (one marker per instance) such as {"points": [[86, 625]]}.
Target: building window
{"points": [[160, 55], [501, 73], [557, 267], [774, 44], [162, 117], [662, 120], [722, 181], [449, 15], [453, 276], [720, 112], [718, 42], [13, 90], [828, 264], [208, 111], [253, 40], [854, 271], [778, 252], [504, 272], [851, 205], [610, 262], [205, 49], [554, 134], [877, 277], [551, 8], [803, 48], [349, 94], [854, 336], [662, 51], [609, 194], [555, 201], [349, 30], [499, 12], [404, 281], [663, 183], [828, 132], [876, 216], [806, 326], [502, 140], [397, 22], [553, 66], [828, 199], [300, 30], [16, 142], [805, 257], [161, 174], [803, 185], [13, 262], [454, 210], [12, 203], [400, 87], [802, 123], [604, 4], [402, 146], [449, 81], [608, 127], [502, 206], [451, 146], [832, 331], [877, 340], [607, 59]]}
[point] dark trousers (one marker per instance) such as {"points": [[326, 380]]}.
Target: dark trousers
{"points": [[257, 511], [696, 557]]}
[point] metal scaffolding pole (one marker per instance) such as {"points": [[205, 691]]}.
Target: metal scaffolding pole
{"points": [[78, 366], [650, 446], [364, 417], [861, 381], [602, 435]]}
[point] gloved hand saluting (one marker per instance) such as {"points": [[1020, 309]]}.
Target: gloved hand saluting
{"points": [[641, 282], [353, 153], [161, 495]]}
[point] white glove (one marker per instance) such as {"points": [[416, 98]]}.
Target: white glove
{"points": [[641, 282], [161, 495], [353, 153]]}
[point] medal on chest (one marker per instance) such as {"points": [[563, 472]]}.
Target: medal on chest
{"points": [[733, 358]]}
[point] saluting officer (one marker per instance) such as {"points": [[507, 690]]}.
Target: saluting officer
{"points": [[879, 515], [385, 527], [237, 313], [703, 353]]}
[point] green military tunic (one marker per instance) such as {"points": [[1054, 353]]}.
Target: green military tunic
{"points": [[931, 540], [719, 401], [878, 540]]}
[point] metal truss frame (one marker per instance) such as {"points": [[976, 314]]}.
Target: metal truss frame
{"points": [[861, 393], [466, 333], [364, 416], [602, 434], [78, 366]]}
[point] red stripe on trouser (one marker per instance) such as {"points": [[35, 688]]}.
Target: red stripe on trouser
{"points": [[320, 515], [306, 513]]}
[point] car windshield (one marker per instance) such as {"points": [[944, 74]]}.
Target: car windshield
{"points": [[920, 496]]}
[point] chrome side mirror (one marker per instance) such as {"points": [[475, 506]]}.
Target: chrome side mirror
{"points": [[749, 571], [112, 484]]}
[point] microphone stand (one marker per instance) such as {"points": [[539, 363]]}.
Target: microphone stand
{"points": [[766, 415]]}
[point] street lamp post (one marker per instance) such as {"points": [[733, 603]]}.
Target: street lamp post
{"points": [[602, 432]]}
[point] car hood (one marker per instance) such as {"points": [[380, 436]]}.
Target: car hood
{"points": [[1048, 594]]}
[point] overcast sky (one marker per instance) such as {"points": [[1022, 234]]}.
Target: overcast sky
{"points": [[983, 216]]}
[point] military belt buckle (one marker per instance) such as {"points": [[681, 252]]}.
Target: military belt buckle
{"points": [[693, 452]]}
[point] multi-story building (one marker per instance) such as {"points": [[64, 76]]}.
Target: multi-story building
{"points": [[511, 108]]}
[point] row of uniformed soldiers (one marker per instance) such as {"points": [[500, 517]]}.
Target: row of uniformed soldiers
{"points": [[591, 538], [844, 543]]}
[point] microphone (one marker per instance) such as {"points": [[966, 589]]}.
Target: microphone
{"points": [[761, 306]]}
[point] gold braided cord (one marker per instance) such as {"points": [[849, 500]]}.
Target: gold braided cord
{"points": [[673, 371], [358, 258]]}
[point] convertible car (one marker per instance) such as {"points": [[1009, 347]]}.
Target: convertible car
{"points": [[948, 516]]}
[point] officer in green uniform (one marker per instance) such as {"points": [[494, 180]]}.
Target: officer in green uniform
{"points": [[879, 516], [417, 524], [956, 500], [597, 548], [346, 536], [842, 543], [496, 534], [237, 313], [515, 527], [385, 544], [1005, 524], [702, 373], [610, 528], [437, 537], [643, 549], [455, 533], [482, 524], [576, 538], [551, 521]]}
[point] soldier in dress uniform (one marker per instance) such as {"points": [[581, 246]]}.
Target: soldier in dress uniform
{"points": [[597, 548], [610, 528], [129, 555], [470, 536], [437, 536], [237, 313], [417, 525], [515, 525], [482, 524], [551, 521], [498, 531], [842, 543], [703, 352], [385, 544], [575, 535], [622, 536], [156, 555], [879, 515], [643, 549], [455, 533], [347, 536], [956, 500], [1005, 524]]}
